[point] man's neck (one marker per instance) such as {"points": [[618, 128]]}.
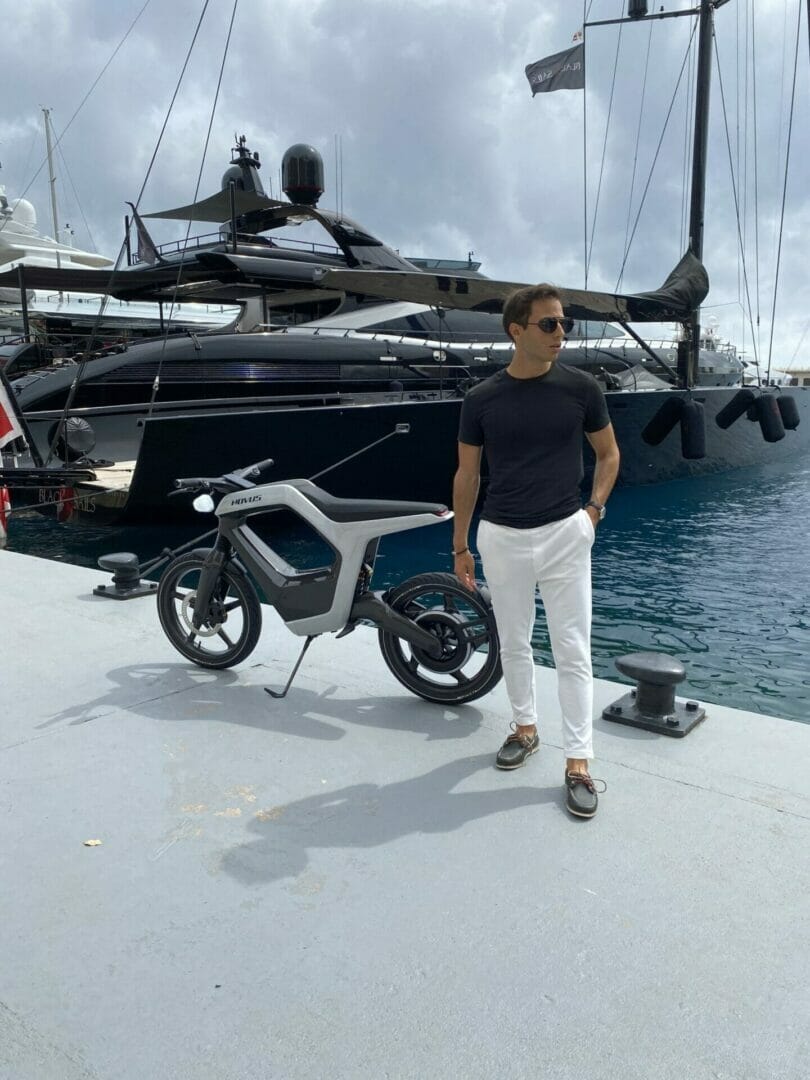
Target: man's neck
{"points": [[521, 367]]}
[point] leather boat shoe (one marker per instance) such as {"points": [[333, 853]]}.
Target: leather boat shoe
{"points": [[516, 749], [581, 798]]}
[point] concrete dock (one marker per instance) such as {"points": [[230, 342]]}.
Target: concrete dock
{"points": [[340, 885]]}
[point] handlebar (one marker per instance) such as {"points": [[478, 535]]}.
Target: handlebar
{"points": [[232, 481]]}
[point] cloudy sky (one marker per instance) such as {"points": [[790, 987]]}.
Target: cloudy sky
{"points": [[444, 150]]}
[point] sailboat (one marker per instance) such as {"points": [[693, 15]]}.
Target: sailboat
{"points": [[667, 429]]}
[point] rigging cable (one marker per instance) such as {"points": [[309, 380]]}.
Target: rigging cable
{"points": [[657, 151], [116, 268], [756, 171], [86, 96], [586, 10], [784, 186], [34, 136], [778, 155], [638, 140], [156, 381], [742, 173], [799, 345], [736, 199], [76, 197], [604, 143]]}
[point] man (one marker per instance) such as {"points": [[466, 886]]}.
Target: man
{"points": [[530, 419]]}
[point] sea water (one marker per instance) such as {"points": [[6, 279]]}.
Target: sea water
{"points": [[714, 571]]}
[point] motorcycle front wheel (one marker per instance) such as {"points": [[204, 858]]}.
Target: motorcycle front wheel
{"points": [[231, 626], [463, 622]]}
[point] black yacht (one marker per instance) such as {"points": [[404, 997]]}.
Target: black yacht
{"points": [[340, 346]]}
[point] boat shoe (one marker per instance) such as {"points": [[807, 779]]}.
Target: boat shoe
{"points": [[581, 798], [516, 749]]}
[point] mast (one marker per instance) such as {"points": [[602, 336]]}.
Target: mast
{"points": [[688, 363], [46, 113]]}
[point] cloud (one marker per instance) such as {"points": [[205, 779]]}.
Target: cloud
{"points": [[443, 148]]}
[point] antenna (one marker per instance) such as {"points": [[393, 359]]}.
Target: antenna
{"points": [[337, 175], [340, 143]]}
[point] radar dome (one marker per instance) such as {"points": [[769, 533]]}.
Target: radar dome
{"points": [[23, 212], [233, 173], [302, 174]]}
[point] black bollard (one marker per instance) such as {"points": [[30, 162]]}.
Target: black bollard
{"points": [[652, 705], [126, 571]]}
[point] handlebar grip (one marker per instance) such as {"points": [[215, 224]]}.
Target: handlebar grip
{"points": [[255, 470], [260, 466], [190, 483]]}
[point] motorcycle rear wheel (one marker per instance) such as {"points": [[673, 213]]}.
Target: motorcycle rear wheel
{"points": [[463, 622]]}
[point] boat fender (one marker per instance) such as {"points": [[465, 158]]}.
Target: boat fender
{"points": [[789, 411], [663, 422], [770, 418], [734, 409], [693, 430]]}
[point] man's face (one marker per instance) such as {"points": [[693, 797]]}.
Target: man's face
{"points": [[540, 347]]}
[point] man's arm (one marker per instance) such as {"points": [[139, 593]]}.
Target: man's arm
{"points": [[607, 467], [465, 493]]}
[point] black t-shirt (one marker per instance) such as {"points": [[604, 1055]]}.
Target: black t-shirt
{"points": [[531, 431]]}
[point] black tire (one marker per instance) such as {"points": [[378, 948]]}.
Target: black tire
{"points": [[470, 665], [235, 600]]}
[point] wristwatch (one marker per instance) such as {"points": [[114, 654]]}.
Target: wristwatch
{"points": [[599, 507]]}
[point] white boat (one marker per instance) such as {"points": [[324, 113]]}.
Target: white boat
{"points": [[40, 312], [22, 244]]}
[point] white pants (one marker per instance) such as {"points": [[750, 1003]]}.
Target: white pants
{"points": [[555, 558]]}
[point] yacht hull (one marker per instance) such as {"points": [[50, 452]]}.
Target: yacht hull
{"points": [[418, 465]]}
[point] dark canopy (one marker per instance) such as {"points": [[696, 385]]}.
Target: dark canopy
{"points": [[681, 293], [155, 283], [223, 277], [218, 207]]}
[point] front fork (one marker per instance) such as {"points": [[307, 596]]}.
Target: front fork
{"points": [[209, 579]]}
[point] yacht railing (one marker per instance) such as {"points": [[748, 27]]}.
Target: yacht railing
{"points": [[457, 341], [176, 247]]}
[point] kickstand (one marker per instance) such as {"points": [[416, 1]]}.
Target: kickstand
{"points": [[283, 693]]}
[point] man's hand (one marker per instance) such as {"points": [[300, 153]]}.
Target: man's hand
{"points": [[464, 568], [593, 514]]}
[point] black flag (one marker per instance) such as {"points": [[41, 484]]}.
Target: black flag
{"points": [[147, 252], [562, 71]]}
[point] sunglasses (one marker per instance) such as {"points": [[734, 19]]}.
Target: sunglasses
{"points": [[549, 324]]}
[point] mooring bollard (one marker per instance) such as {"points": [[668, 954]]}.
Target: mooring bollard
{"points": [[126, 571], [652, 704]]}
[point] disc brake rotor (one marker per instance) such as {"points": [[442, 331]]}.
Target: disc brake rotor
{"points": [[187, 615]]}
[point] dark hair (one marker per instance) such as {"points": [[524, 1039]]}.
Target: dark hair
{"points": [[518, 304]]}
